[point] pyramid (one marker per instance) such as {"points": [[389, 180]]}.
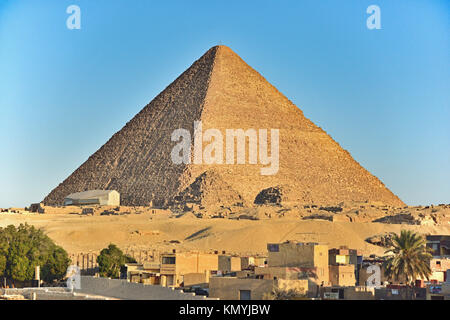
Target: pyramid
{"points": [[209, 191], [223, 92]]}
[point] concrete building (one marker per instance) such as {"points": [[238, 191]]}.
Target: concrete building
{"points": [[342, 255], [439, 291], [290, 273], [342, 275], [347, 293], [440, 245], [232, 288], [229, 263], [440, 268], [400, 292], [310, 256], [343, 266], [175, 265], [93, 197], [249, 262], [147, 273]]}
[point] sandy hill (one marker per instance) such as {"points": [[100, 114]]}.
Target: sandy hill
{"points": [[164, 230], [222, 91]]}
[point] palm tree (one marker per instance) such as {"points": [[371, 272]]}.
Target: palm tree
{"points": [[410, 258]]}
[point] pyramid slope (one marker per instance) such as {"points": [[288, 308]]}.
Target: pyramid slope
{"points": [[311, 162], [222, 91], [210, 191], [136, 160]]}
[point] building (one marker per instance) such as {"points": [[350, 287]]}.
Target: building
{"points": [[229, 263], [249, 262], [232, 288], [440, 245], [343, 255], [344, 264], [439, 291], [307, 256], [400, 292], [347, 293], [342, 275], [147, 273], [439, 269], [93, 197], [175, 265], [366, 271]]}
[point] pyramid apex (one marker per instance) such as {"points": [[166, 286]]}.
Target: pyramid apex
{"points": [[222, 48]]}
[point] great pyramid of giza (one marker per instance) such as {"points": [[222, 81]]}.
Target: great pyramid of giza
{"points": [[222, 91]]}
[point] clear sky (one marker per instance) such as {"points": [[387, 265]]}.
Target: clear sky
{"points": [[384, 95]]}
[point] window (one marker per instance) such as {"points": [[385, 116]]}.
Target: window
{"points": [[245, 295], [168, 260]]}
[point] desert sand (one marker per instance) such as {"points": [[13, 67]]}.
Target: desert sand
{"points": [[140, 228]]}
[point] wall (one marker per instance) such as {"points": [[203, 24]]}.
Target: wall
{"points": [[228, 288], [296, 285], [229, 263], [114, 198], [303, 255], [122, 289], [342, 275], [195, 279]]}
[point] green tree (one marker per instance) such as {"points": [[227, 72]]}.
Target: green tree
{"points": [[409, 257], [25, 247], [56, 266], [110, 261]]}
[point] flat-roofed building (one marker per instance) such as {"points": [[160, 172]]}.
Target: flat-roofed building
{"points": [[232, 288], [342, 275], [439, 245], [312, 256], [93, 197], [175, 265], [228, 263], [148, 272]]}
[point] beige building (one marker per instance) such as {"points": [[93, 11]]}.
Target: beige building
{"points": [[439, 267], [231, 288], [306, 256], [249, 262], [175, 265], [229, 263], [342, 275], [347, 293], [148, 272]]}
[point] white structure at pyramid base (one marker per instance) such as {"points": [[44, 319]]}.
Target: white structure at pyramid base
{"points": [[93, 197]]}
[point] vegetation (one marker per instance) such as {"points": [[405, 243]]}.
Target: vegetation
{"points": [[111, 260], [283, 294], [25, 247], [409, 259]]}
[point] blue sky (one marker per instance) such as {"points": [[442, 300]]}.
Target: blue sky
{"points": [[384, 95]]}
